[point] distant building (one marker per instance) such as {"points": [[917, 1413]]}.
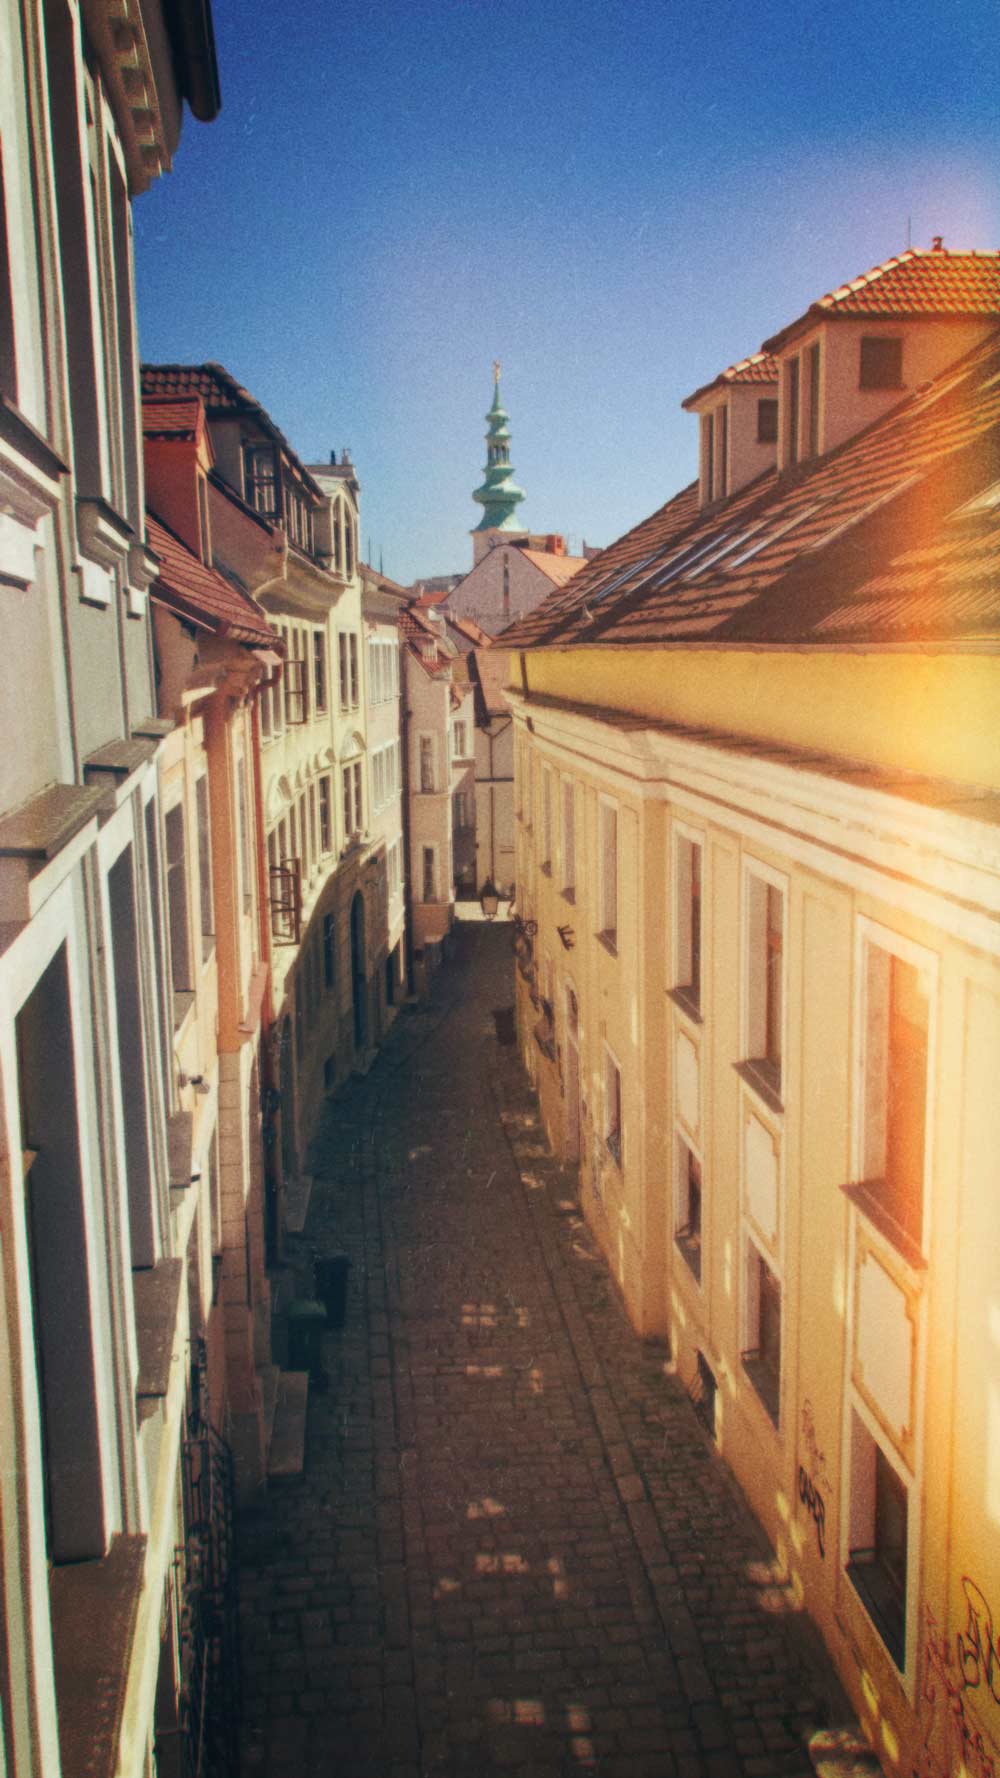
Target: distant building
{"points": [[757, 787]]}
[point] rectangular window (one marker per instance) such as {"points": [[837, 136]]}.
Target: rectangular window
{"points": [[813, 364], [881, 364], [260, 480], [879, 1534], [205, 868], [352, 641], [767, 420], [319, 671], [177, 909], [687, 1227], [612, 1108], [792, 376], [568, 847], [895, 1037], [345, 671], [426, 763], [429, 874], [764, 983], [459, 741], [608, 868], [762, 1359], [687, 920], [325, 811], [297, 683], [359, 816], [722, 423], [286, 901], [546, 859]]}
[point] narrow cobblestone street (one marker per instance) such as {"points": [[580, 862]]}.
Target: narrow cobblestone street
{"points": [[513, 1548]]}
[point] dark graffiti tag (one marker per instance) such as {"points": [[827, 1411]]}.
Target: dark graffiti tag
{"points": [[815, 1506], [978, 1646], [814, 1480], [953, 1742]]}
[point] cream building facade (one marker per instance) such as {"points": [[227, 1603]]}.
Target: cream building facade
{"points": [[759, 978], [100, 1419]]}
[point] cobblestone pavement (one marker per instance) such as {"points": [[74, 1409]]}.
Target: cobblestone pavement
{"points": [[513, 1549]]}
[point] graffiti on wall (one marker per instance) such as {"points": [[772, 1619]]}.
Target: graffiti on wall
{"points": [[814, 1477], [953, 1740]]}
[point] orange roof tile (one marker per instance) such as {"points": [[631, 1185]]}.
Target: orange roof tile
{"points": [[171, 417], [194, 590], [222, 394], [920, 282], [780, 557], [760, 367]]}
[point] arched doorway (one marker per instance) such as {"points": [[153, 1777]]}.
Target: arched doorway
{"points": [[359, 980]]}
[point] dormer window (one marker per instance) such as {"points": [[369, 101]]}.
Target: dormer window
{"points": [[767, 420], [260, 480], [792, 396], [881, 362], [812, 370], [715, 454]]}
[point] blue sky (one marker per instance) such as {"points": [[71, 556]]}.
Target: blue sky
{"points": [[616, 200]]}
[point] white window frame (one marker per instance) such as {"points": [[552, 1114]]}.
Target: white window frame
{"points": [[611, 1062], [567, 853], [422, 736], [691, 1249], [870, 933], [754, 1255], [608, 879], [857, 1521], [683, 841], [753, 974]]}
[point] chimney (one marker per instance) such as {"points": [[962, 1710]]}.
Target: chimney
{"points": [[333, 459], [937, 245]]}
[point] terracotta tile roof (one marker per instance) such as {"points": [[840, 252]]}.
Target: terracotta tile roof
{"points": [[920, 282], [760, 367], [558, 569], [778, 559], [222, 394], [417, 631], [172, 417], [197, 592]]}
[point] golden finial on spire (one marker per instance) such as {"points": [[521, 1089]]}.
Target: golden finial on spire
{"points": [[496, 370]]}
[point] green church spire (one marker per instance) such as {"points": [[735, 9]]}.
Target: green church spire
{"points": [[498, 495]]}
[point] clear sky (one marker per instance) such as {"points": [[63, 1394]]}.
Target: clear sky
{"points": [[615, 200]]}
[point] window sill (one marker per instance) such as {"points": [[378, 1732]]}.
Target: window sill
{"points": [[881, 1601], [156, 1292], [689, 1007], [864, 1196], [94, 1607], [752, 1073], [609, 940], [766, 1383]]}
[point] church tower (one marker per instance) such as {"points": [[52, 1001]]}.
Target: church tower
{"points": [[498, 496]]}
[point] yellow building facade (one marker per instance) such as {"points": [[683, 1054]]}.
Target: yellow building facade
{"points": [[758, 984]]}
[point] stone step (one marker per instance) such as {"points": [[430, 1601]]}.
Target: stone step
{"points": [[287, 1454]]}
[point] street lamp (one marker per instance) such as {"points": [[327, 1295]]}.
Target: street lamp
{"points": [[489, 899]]}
